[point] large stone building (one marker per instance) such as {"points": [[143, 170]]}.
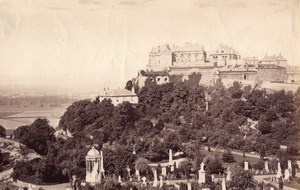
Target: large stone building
{"points": [[275, 59], [165, 57], [224, 55], [224, 62]]}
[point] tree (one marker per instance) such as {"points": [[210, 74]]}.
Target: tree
{"points": [[241, 179], [36, 136], [141, 164], [228, 157], [2, 131]]}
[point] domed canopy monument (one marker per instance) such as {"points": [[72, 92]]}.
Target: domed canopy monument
{"points": [[94, 166]]}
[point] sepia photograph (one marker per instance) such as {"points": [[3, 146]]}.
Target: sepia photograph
{"points": [[149, 95]]}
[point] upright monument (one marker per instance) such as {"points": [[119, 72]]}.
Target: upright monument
{"points": [[94, 166]]}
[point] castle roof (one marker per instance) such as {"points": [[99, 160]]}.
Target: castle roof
{"points": [[251, 59], [273, 58], [224, 49], [270, 66], [188, 47], [120, 93]]}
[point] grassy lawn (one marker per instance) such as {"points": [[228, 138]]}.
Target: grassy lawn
{"points": [[238, 159]]}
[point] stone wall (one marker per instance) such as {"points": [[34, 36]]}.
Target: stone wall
{"points": [[238, 75], [272, 74]]}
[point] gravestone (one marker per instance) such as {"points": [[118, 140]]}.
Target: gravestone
{"points": [[267, 167], [170, 157], [246, 166], [201, 172], [119, 179], [223, 184], [279, 172], [189, 186], [290, 165], [172, 168], [155, 181], [286, 175], [137, 173], [161, 183], [128, 171], [228, 177], [164, 171]]}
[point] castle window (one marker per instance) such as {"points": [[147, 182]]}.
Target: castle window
{"points": [[245, 77]]}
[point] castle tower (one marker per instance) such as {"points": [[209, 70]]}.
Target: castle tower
{"points": [[94, 166]]}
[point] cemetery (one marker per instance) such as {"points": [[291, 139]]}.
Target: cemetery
{"points": [[166, 175]]}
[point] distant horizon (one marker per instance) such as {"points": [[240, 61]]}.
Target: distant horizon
{"points": [[93, 44]]}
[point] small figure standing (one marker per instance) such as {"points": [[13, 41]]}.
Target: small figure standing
{"points": [[75, 183]]}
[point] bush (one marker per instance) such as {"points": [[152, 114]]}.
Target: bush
{"points": [[228, 157]]}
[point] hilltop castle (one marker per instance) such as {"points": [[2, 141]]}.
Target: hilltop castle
{"points": [[224, 63]]}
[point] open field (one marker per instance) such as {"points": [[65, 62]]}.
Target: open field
{"points": [[13, 117]]}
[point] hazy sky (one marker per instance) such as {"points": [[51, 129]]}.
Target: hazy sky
{"points": [[97, 43]]}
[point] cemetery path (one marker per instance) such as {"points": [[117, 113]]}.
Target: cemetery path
{"points": [[260, 178], [253, 155], [62, 186]]}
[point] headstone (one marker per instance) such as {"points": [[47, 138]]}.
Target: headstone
{"points": [[272, 188], [246, 166], [256, 172], [223, 184], [290, 165], [144, 181], [212, 178], [286, 175], [155, 181], [201, 178], [267, 167], [172, 168], [279, 172], [128, 171], [101, 162], [170, 157], [119, 179], [161, 181], [164, 171], [189, 186], [228, 177], [137, 173]]}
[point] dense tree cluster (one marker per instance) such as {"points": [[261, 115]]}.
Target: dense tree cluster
{"points": [[169, 116], [36, 136]]}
